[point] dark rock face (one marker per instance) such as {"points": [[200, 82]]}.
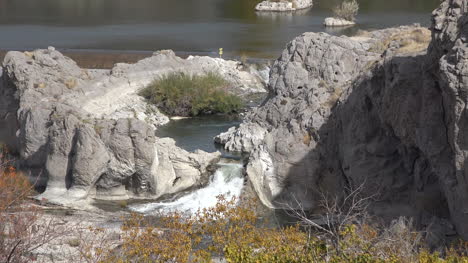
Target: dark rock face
{"points": [[342, 114], [448, 53]]}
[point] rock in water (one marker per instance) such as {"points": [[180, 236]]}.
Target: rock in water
{"points": [[379, 110], [337, 22], [87, 133], [283, 5]]}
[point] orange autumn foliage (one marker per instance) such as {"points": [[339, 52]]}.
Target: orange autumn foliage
{"points": [[14, 188], [22, 231]]}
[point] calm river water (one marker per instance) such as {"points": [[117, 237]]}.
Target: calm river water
{"points": [[198, 133], [192, 26]]}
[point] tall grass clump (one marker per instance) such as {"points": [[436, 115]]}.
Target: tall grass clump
{"points": [[347, 10], [180, 94]]}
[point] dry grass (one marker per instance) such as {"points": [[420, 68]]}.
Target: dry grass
{"points": [[363, 33], [333, 97], [74, 242], [40, 86], [29, 54], [410, 41], [307, 139], [347, 10], [70, 83]]}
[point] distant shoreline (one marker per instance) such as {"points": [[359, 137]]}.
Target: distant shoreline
{"points": [[98, 59], [105, 59]]}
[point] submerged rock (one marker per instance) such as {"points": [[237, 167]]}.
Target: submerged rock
{"points": [[86, 133], [337, 22], [283, 5], [379, 110]]}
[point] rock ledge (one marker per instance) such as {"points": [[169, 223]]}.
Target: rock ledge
{"points": [[337, 22]]}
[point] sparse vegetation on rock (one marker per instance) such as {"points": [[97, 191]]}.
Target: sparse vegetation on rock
{"points": [[180, 94], [407, 41], [347, 10], [227, 231]]}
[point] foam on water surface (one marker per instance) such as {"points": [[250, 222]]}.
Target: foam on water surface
{"points": [[226, 181]]}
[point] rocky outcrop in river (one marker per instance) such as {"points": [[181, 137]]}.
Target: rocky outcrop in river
{"points": [[378, 110], [337, 22], [87, 133], [283, 5]]}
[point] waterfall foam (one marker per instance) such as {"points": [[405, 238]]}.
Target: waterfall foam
{"points": [[227, 181]]}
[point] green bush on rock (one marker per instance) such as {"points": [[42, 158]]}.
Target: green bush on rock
{"points": [[180, 94]]}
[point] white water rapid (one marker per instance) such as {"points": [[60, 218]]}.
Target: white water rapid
{"points": [[227, 181]]}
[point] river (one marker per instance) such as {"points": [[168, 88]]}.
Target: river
{"points": [[198, 132], [228, 180], [186, 26]]}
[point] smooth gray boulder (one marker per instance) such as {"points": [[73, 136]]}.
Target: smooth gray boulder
{"points": [[379, 110], [337, 22]]}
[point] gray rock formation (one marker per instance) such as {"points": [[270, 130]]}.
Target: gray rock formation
{"points": [[283, 5], [377, 110], [337, 22], [84, 133]]}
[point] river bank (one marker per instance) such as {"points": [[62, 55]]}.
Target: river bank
{"points": [[98, 59], [148, 25], [106, 59]]}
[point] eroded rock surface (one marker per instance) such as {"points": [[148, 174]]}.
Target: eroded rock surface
{"points": [[84, 133], [337, 22], [377, 110], [283, 5]]}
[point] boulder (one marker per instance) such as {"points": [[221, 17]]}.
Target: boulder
{"points": [[86, 133], [115, 95], [283, 5], [242, 139], [337, 22]]}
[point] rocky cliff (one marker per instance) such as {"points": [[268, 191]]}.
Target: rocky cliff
{"points": [[83, 133], [380, 110]]}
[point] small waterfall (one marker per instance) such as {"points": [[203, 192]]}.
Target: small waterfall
{"points": [[227, 181]]}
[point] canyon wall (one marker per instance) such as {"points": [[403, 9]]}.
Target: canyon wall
{"points": [[381, 109]]}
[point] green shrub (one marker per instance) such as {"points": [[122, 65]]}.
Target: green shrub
{"points": [[347, 10], [185, 95]]}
